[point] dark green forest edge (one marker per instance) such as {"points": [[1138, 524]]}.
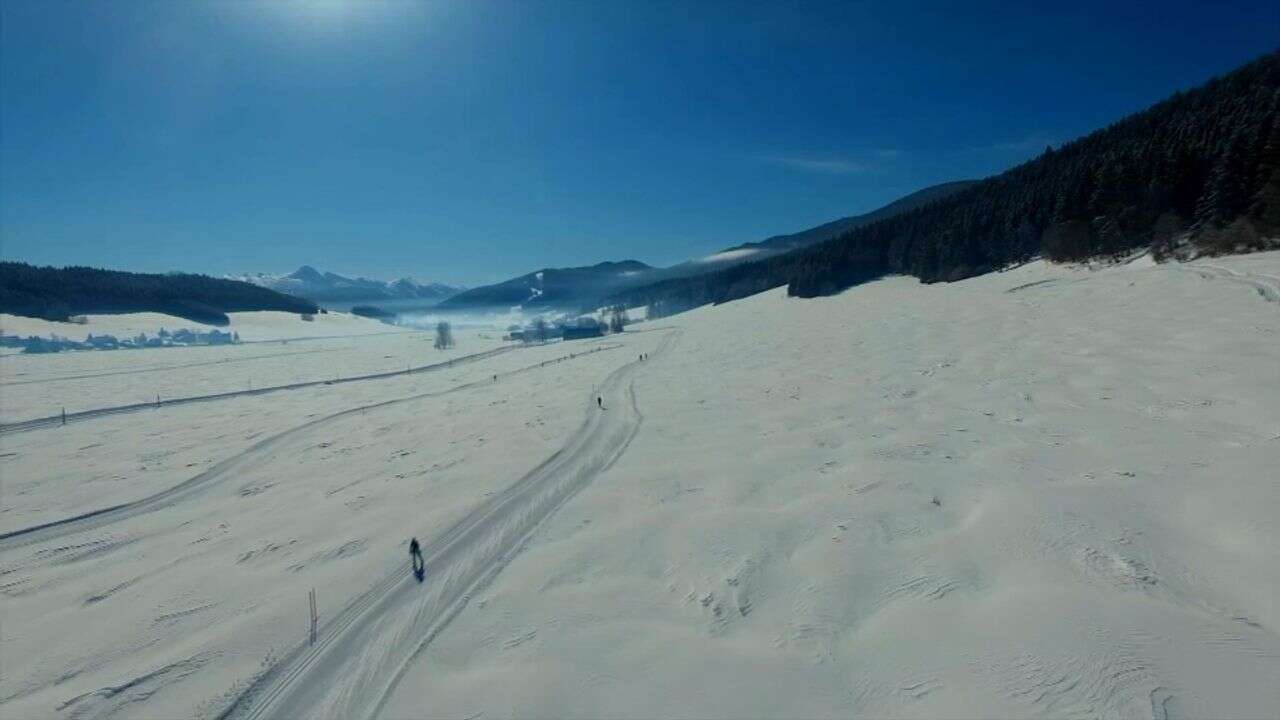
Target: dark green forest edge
{"points": [[1197, 174], [58, 293]]}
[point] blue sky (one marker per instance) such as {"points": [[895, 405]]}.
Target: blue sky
{"points": [[469, 142]]}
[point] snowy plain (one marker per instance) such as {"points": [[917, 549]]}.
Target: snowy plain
{"points": [[140, 376], [276, 348], [252, 326], [1046, 492]]}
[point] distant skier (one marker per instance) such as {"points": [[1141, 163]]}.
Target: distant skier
{"points": [[600, 402], [415, 556]]}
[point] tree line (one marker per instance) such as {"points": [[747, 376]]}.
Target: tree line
{"points": [[1198, 173], [58, 293]]}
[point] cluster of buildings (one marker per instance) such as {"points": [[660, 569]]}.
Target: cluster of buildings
{"points": [[177, 338], [581, 328]]}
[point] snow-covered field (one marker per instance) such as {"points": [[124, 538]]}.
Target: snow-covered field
{"points": [[34, 386], [252, 326], [276, 349], [1046, 492]]}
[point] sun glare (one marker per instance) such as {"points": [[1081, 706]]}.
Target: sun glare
{"points": [[323, 15]]}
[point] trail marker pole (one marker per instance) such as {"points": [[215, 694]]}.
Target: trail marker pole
{"points": [[314, 615], [64, 415]]}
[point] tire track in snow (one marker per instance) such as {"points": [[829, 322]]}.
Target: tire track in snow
{"points": [[229, 467], [362, 651]]}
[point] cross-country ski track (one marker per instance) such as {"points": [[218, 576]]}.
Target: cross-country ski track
{"points": [[1267, 286], [361, 652], [160, 368], [231, 467], [57, 420]]}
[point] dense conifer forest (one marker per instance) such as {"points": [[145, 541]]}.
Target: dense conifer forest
{"points": [[1198, 173], [58, 293]]}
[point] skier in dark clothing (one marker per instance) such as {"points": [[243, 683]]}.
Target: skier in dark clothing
{"points": [[415, 556], [600, 402]]}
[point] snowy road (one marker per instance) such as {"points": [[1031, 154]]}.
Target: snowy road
{"points": [[362, 651]]}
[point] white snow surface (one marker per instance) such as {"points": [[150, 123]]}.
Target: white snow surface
{"points": [[35, 386], [252, 326], [1047, 492]]}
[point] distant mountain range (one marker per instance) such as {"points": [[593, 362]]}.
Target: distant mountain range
{"points": [[585, 287], [553, 287], [307, 282]]}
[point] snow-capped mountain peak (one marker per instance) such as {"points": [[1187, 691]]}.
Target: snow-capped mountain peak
{"points": [[311, 283]]}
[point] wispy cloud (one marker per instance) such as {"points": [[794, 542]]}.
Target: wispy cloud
{"points": [[831, 166], [1031, 142], [834, 165]]}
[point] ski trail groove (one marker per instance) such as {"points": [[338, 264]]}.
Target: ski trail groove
{"points": [[362, 652], [57, 420], [227, 468], [1266, 286]]}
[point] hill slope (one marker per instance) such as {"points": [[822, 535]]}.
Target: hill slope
{"points": [[908, 501]]}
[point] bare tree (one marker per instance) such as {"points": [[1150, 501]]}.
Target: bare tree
{"points": [[540, 329], [444, 335]]}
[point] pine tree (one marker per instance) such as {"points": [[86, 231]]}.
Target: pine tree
{"points": [[1265, 208]]}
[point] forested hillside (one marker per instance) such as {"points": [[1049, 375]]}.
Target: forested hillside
{"points": [[57, 293], [1199, 172], [835, 228]]}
